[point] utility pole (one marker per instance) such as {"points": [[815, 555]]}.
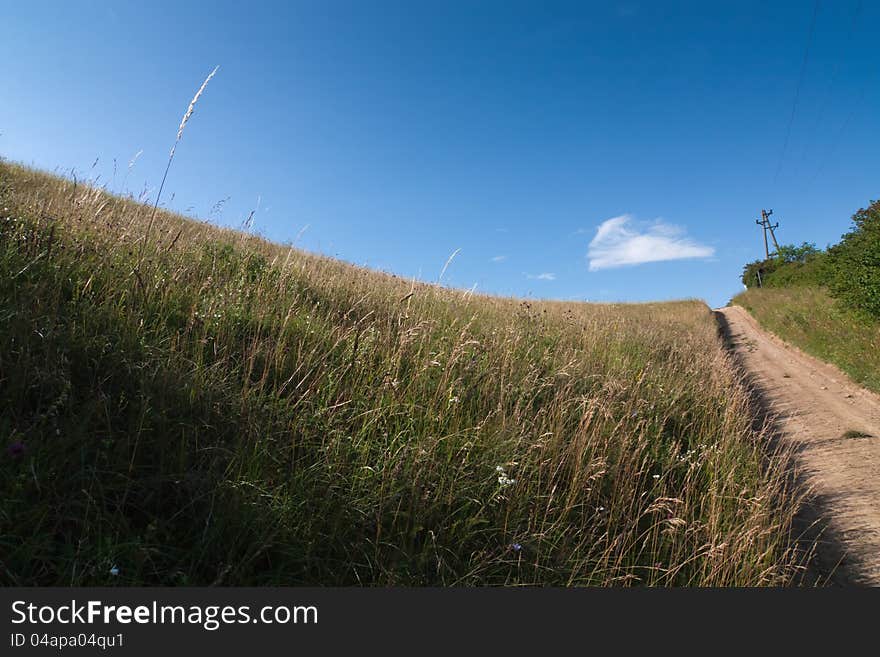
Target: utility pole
{"points": [[767, 226]]}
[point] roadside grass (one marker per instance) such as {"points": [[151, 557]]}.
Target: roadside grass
{"points": [[230, 411], [855, 434], [809, 318]]}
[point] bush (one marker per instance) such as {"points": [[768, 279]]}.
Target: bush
{"points": [[854, 263], [755, 273], [790, 265]]}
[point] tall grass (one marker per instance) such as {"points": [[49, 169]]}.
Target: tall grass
{"points": [[245, 413], [191, 108], [810, 318]]}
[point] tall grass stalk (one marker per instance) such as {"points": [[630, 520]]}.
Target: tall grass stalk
{"points": [[447, 263], [186, 117]]}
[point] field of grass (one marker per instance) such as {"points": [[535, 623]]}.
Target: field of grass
{"points": [[184, 405], [811, 319]]}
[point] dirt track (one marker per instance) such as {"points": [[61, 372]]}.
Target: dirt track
{"points": [[814, 405]]}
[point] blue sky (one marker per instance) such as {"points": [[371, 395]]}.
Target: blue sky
{"points": [[392, 134]]}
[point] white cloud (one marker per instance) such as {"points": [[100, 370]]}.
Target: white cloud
{"points": [[546, 276], [499, 258], [618, 243]]}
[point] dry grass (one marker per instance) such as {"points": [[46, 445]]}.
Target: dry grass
{"points": [[191, 108], [239, 412]]}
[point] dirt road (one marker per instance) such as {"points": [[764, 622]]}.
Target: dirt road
{"points": [[834, 426]]}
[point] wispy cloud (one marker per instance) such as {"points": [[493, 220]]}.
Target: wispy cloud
{"points": [[546, 276], [618, 243], [498, 258]]}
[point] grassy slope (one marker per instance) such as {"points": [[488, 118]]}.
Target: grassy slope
{"points": [[230, 411], [811, 319]]}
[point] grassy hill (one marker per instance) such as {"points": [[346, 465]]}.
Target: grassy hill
{"points": [[182, 404], [813, 320]]}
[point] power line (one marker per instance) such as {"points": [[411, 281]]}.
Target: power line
{"points": [[797, 92], [837, 68], [835, 140], [832, 147]]}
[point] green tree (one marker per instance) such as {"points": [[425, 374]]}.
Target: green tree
{"points": [[788, 253], [854, 267], [790, 265]]}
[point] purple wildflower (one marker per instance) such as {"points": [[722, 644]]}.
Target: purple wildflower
{"points": [[16, 449]]}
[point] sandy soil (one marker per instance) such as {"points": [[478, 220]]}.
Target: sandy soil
{"points": [[814, 406]]}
